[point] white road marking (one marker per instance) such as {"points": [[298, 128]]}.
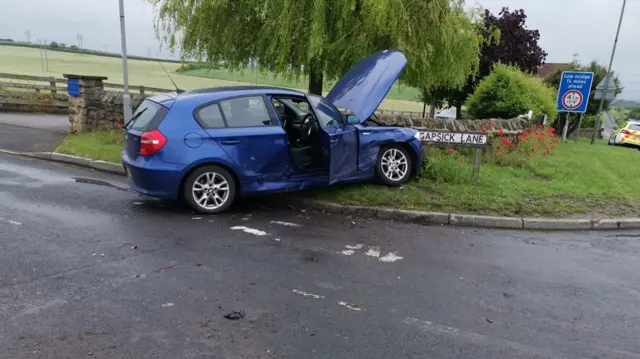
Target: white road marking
{"points": [[249, 230], [165, 305], [196, 217], [138, 202], [350, 306], [390, 258], [315, 296], [277, 239], [373, 252], [357, 246], [15, 223], [288, 224], [348, 252]]}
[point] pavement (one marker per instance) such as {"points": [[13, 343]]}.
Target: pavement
{"points": [[89, 268], [32, 132]]}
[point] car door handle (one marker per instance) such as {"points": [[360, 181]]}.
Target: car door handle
{"points": [[366, 133], [230, 141], [333, 142]]}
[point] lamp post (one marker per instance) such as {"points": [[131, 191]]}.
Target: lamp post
{"points": [[606, 82], [126, 97]]}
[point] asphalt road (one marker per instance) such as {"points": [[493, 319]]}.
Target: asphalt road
{"points": [[88, 268], [608, 124], [32, 132]]}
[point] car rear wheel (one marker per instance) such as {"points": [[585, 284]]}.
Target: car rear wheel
{"points": [[394, 165], [210, 189]]}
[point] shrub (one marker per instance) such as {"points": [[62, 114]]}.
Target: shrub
{"points": [[635, 114], [507, 93]]}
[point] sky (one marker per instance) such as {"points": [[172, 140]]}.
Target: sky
{"points": [[581, 28]]}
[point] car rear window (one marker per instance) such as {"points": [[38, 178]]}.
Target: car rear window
{"points": [[210, 117], [147, 116]]}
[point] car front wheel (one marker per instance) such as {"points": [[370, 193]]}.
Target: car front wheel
{"points": [[394, 165], [210, 189]]}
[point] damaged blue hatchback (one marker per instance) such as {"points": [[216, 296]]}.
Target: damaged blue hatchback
{"points": [[209, 146]]}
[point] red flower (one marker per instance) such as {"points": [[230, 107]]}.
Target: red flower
{"points": [[533, 150], [484, 129], [519, 138], [557, 139], [117, 124], [522, 150], [539, 126], [498, 148], [493, 124], [439, 158], [500, 132], [553, 145], [451, 150]]}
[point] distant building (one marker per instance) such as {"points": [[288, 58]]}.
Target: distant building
{"points": [[550, 68]]}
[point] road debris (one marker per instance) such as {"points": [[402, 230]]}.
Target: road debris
{"points": [[253, 231], [315, 296], [349, 305], [235, 315], [390, 258]]}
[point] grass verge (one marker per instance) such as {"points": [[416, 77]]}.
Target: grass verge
{"points": [[104, 146], [574, 180]]}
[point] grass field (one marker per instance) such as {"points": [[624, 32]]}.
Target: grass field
{"points": [[576, 179], [26, 61]]}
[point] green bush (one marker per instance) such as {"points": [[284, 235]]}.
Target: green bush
{"points": [[635, 114], [507, 93]]}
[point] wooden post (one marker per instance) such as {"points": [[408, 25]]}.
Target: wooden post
{"points": [[142, 90], [477, 155], [52, 83]]}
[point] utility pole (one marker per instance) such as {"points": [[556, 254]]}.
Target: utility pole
{"points": [[28, 33], [41, 55], [46, 57], [79, 37], [126, 97], [606, 84]]}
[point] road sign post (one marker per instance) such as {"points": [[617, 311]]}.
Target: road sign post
{"points": [[573, 95]]}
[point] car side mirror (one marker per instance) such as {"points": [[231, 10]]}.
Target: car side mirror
{"points": [[353, 119]]}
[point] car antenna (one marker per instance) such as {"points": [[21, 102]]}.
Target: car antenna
{"points": [[178, 90]]}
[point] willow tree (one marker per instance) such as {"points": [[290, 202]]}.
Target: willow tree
{"points": [[324, 38]]}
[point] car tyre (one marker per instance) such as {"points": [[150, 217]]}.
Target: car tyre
{"points": [[394, 165], [209, 189]]}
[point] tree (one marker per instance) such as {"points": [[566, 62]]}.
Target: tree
{"points": [[63, 45], [599, 73], [508, 92], [506, 40], [54, 45], [324, 38], [635, 114]]}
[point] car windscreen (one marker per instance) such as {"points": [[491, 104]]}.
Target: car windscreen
{"points": [[328, 115], [147, 116], [634, 126]]}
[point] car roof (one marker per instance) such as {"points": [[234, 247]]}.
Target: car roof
{"points": [[205, 95]]}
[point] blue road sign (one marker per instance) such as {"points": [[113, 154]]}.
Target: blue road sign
{"points": [[73, 87], [575, 88]]}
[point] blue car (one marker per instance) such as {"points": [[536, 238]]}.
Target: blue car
{"points": [[209, 146]]}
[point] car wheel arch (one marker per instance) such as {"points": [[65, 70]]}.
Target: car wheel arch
{"points": [[186, 175]]}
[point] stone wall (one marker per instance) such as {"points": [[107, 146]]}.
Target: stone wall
{"points": [[94, 108], [512, 126]]}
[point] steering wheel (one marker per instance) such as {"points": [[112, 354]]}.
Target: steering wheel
{"points": [[307, 126]]}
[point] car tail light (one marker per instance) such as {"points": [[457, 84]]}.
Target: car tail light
{"points": [[151, 142], [626, 132]]}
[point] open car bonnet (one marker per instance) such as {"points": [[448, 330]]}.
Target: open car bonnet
{"points": [[365, 85]]}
